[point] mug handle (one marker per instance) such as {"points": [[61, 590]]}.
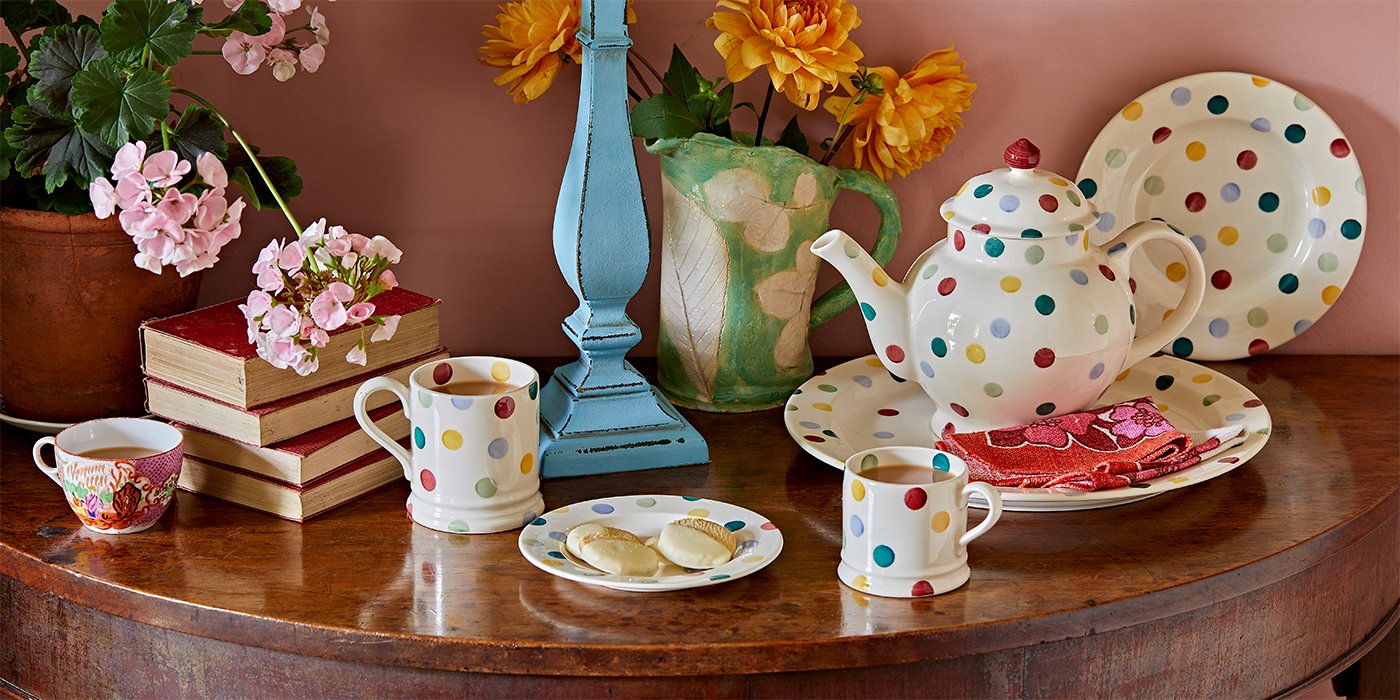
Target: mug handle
{"points": [[51, 472], [375, 433], [840, 297], [993, 497], [1133, 237]]}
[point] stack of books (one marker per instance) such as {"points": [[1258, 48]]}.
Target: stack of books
{"points": [[267, 438]]}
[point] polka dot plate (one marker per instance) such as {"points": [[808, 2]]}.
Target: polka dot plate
{"points": [[542, 541], [857, 405], [1264, 184]]}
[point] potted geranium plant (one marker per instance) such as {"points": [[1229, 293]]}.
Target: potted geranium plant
{"points": [[741, 210], [93, 122]]}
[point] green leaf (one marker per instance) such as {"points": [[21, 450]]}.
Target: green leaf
{"points": [[55, 146], [251, 18], [282, 170], [119, 108], [198, 131], [663, 116], [793, 138], [7, 152], [9, 58], [70, 198], [132, 26], [58, 58], [682, 80], [23, 15]]}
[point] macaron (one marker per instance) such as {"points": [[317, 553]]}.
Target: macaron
{"points": [[696, 543], [618, 553]]}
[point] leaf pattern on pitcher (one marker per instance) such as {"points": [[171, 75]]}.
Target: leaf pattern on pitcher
{"points": [[741, 195], [787, 296], [694, 278]]}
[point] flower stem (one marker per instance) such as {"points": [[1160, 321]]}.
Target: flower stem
{"points": [[207, 53], [837, 143], [650, 69], [164, 135], [763, 116], [640, 78], [257, 165]]}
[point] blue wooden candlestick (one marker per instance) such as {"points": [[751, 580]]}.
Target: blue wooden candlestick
{"points": [[598, 414]]}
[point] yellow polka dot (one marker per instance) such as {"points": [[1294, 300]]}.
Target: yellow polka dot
{"points": [[976, 354], [861, 582], [552, 562], [874, 362], [1321, 196], [1176, 272], [1060, 182], [1010, 283], [1195, 150], [941, 520], [1133, 111], [565, 509], [1228, 235], [947, 214], [500, 371], [1162, 407], [1259, 82], [860, 599], [858, 490], [822, 406], [451, 439], [1084, 240], [752, 559], [527, 463], [964, 187], [1168, 314], [1123, 375], [698, 513], [881, 279], [1330, 294], [1201, 378]]}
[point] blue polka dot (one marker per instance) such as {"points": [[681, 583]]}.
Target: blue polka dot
{"points": [[602, 508], [1295, 133], [538, 521], [868, 311], [1268, 202], [557, 535], [883, 556], [1183, 347], [419, 439], [1031, 233], [1351, 229], [857, 527], [1009, 203], [1230, 192], [863, 380], [1218, 104], [1301, 326], [982, 191], [461, 403], [1106, 222], [1316, 228], [556, 554], [1097, 371], [1045, 305], [1234, 417], [1261, 124], [994, 247], [926, 368], [1199, 242], [497, 448], [810, 425], [1219, 327], [1288, 283], [1181, 96], [1088, 187], [939, 347], [1072, 239], [883, 434], [1000, 328], [734, 525], [941, 463], [1078, 276], [691, 498]]}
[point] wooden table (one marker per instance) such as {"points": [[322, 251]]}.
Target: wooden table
{"points": [[1262, 581]]}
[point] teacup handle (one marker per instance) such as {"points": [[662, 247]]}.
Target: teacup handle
{"points": [[993, 498], [378, 435], [51, 472], [1133, 237]]}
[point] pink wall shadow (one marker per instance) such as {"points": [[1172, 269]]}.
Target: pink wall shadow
{"points": [[401, 133]]}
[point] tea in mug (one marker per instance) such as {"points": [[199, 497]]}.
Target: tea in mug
{"points": [[474, 388], [906, 474], [118, 452]]}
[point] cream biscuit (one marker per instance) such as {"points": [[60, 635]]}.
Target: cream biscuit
{"points": [[619, 553], [574, 542], [696, 543]]}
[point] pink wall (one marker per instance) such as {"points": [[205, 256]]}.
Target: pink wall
{"points": [[402, 133]]}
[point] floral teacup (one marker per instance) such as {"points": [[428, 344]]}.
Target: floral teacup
{"points": [[119, 474]]}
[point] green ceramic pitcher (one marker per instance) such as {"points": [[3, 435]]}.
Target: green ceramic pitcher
{"points": [[737, 275]]}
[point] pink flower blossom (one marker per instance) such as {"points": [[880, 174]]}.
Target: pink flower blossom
{"points": [[282, 321], [233, 5], [341, 292], [359, 313], [358, 242], [284, 6], [318, 27], [284, 64], [311, 57], [259, 303], [327, 311], [269, 277], [244, 53], [338, 247], [313, 235], [292, 256], [273, 36], [128, 160], [147, 262], [211, 170], [104, 198], [164, 169], [356, 356], [388, 279], [389, 326], [381, 246], [178, 206], [349, 260], [318, 338], [132, 189], [210, 210]]}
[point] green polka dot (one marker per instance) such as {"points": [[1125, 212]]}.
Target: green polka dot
{"points": [[1072, 196], [1031, 233], [646, 502], [994, 247], [419, 439], [1075, 228], [869, 462], [1302, 103], [929, 271], [1132, 314], [1268, 202], [1035, 254], [992, 389], [1210, 399], [1360, 185], [1327, 262], [1164, 382], [1183, 347], [1288, 283], [1295, 133], [1351, 229], [1101, 324], [939, 347], [425, 399], [1115, 158], [458, 526], [867, 311], [486, 487], [1276, 243], [534, 389], [1088, 187], [1045, 305], [1257, 317], [1154, 185], [982, 191], [883, 556], [1218, 104], [828, 388]]}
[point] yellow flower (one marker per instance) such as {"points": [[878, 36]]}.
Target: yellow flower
{"points": [[804, 44], [912, 121], [534, 39]]}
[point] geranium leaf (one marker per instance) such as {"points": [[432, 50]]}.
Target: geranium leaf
{"points": [[9, 58], [251, 18], [119, 108], [132, 26], [198, 131], [58, 58], [70, 198], [55, 146], [663, 116], [793, 138], [682, 80], [282, 170], [23, 15]]}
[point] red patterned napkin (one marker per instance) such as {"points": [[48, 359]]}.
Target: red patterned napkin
{"points": [[1101, 448]]}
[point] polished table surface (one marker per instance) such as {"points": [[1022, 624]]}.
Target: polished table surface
{"points": [[363, 588]]}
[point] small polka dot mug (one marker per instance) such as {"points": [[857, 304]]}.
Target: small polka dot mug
{"points": [[474, 453], [904, 521]]}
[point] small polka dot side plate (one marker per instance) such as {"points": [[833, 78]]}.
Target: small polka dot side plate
{"points": [[1262, 181], [759, 540], [857, 405]]}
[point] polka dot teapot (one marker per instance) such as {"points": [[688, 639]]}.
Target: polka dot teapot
{"points": [[1015, 316]]}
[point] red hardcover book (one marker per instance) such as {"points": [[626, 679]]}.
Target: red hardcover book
{"points": [[207, 350]]}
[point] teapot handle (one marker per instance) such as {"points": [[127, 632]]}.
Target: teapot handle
{"points": [[1133, 237], [838, 298]]}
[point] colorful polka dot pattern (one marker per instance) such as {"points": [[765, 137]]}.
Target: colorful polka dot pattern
{"points": [[1277, 205]]}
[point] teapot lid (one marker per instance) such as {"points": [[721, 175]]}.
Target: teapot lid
{"points": [[1021, 201]]}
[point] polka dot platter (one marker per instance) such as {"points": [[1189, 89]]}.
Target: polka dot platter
{"points": [[1262, 182], [759, 540], [857, 405]]}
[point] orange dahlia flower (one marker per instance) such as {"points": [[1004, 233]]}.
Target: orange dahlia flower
{"points": [[912, 121], [805, 45], [534, 38]]}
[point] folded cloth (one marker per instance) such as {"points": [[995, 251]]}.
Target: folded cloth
{"points": [[1101, 448]]}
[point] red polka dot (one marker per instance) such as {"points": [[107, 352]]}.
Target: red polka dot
{"points": [[1340, 148], [505, 407], [1132, 285], [958, 240], [1246, 160], [1107, 273], [915, 498], [1220, 279], [813, 438], [947, 285], [1253, 403], [442, 373], [921, 589], [958, 409], [948, 429], [982, 228], [1161, 134], [1195, 202], [426, 478], [1049, 203], [1229, 460], [1258, 347], [429, 572], [895, 353], [768, 526], [1044, 357], [887, 412], [410, 510]]}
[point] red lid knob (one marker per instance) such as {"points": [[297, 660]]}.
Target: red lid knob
{"points": [[1022, 155]]}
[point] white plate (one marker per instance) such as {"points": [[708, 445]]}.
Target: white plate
{"points": [[857, 405], [1263, 182], [38, 426], [542, 541]]}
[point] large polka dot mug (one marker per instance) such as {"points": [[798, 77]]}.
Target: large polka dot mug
{"points": [[1016, 316], [474, 453], [904, 534]]}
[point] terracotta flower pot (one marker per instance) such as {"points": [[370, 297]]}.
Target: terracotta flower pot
{"points": [[72, 302]]}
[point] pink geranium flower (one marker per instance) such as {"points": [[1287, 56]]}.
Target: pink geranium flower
{"points": [[359, 313], [104, 198], [244, 53], [129, 159], [164, 169], [311, 57], [211, 170], [284, 64], [389, 325], [318, 27], [328, 312]]}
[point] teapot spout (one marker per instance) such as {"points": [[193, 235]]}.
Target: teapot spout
{"points": [[883, 301]]}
